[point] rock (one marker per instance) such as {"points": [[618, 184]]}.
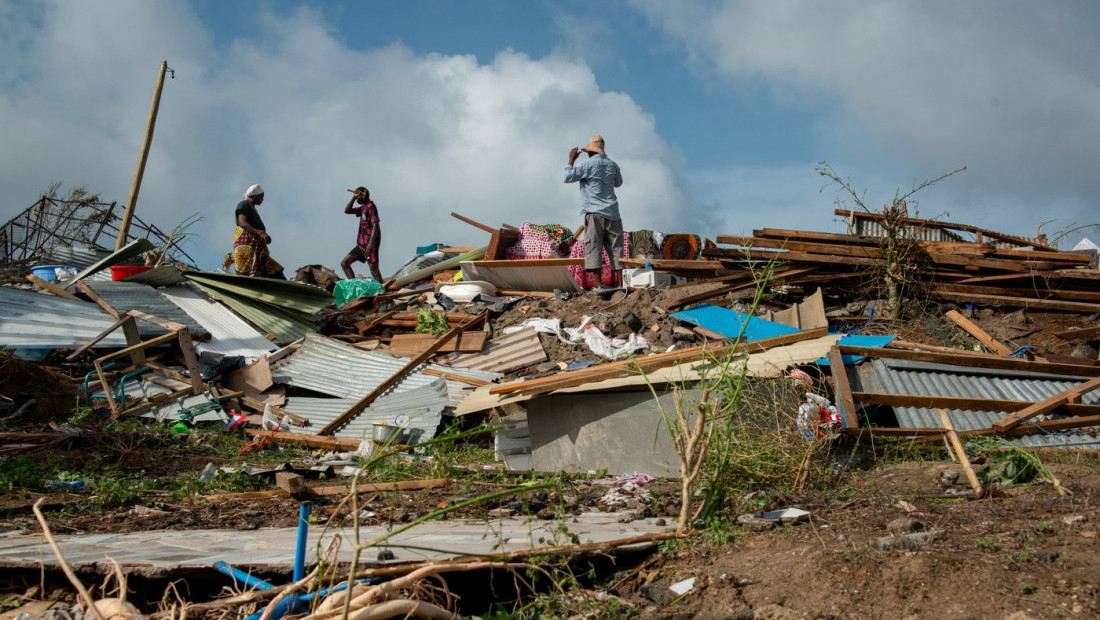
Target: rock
{"points": [[627, 516], [658, 592], [904, 525], [1084, 350], [909, 542], [680, 332], [906, 506], [1074, 519], [290, 482], [1047, 555], [660, 522], [546, 514], [949, 477]]}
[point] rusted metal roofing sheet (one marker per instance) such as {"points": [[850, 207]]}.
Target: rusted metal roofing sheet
{"points": [[926, 379], [422, 405], [126, 296], [505, 353], [38, 321], [331, 367], [229, 333], [545, 278]]}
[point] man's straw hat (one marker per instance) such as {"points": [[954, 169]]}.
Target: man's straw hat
{"points": [[595, 145]]}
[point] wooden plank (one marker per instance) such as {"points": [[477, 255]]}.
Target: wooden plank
{"points": [[843, 389], [370, 487], [711, 294], [1019, 302], [133, 339], [1040, 292], [1082, 334], [805, 235], [1000, 363], [671, 265], [541, 262], [808, 247], [1030, 275], [365, 326], [476, 224], [953, 437], [365, 401], [103, 334], [52, 288], [140, 346], [1071, 395], [87, 290], [336, 444], [920, 346], [451, 376], [156, 320], [467, 342], [978, 333], [538, 294], [1079, 274]]}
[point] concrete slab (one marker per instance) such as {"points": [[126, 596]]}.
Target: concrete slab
{"points": [[274, 547]]}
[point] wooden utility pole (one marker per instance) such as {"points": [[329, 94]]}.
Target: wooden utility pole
{"points": [[135, 187]]}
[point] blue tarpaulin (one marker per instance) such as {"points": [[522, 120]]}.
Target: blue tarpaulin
{"points": [[728, 323], [857, 341]]}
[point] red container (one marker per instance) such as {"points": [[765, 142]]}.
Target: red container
{"points": [[119, 272]]}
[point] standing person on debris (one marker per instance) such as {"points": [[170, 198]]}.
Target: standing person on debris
{"points": [[250, 256], [603, 228], [370, 234]]}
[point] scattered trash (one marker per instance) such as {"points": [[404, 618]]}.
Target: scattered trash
{"points": [[772, 518]]}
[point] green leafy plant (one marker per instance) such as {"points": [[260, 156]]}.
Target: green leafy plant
{"points": [[428, 322]]}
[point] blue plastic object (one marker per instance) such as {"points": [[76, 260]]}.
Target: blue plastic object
{"points": [[729, 323], [237, 574], [856, 340]]}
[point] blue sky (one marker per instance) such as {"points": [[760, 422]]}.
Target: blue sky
{"points": [[718, 112]]}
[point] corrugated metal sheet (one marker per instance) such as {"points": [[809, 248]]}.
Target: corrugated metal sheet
{"points": [[165, 275], [128, 251], [925, 379], [38, 321], [543, 278], [283, 325], [505, 353], [423, 405], [304, 298], [126, 296], [331, 367], [229, 333], [871, 228]]}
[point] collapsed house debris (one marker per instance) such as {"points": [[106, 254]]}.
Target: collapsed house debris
{"points": [[569, 381]]}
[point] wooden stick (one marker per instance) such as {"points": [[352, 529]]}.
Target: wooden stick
{"points": [[1068, 396], [476, 224], [52, 288], [978, 333], [843, 389], [960, 451], [64, 564]]}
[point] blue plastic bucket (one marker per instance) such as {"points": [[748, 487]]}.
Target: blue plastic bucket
{"points": [[48, 272]]}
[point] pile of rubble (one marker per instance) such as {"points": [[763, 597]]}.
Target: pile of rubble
{"points": [[506, 330]]}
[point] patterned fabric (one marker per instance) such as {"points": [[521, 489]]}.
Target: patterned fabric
{"points": [[587, 280], [368, 221], [540, 241], [643, 243], [681, 246], [250, 256]]}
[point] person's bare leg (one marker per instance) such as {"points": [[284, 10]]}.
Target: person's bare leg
{"points": [[346, 265], [375, 272]]}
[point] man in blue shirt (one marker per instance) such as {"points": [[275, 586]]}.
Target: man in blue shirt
{"points": [[603, 228]]}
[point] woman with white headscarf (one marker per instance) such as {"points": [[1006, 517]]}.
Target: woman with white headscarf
{"points": [[250, 256]]}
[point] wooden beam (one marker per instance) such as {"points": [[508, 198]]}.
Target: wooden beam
{"points": [[1019, 302], [843, 389], [978, 333], [336, 444], [52, 288], [711, 294], [1082, 334], [1071, 395], [953, 437], [1021, 241], [476, 224], [451, 376], [365, 401], [87, 290], [1041, 292]]}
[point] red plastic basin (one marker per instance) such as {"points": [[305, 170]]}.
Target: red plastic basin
{"points": [[119, 272]]}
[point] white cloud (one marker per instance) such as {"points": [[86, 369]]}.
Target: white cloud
{"points": [[299, 112], [917, 88]]}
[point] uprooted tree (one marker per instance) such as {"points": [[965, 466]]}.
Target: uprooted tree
{"points": [[903, 258]]}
